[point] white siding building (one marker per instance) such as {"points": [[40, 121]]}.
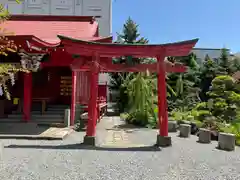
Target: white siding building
{"points": [[101, 8], [202, 52]]}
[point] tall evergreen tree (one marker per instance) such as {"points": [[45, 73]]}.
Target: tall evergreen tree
{"points": [[185, 84], [208, 72], [224, 64], [224, 58], [129, 35], [235, 65]]}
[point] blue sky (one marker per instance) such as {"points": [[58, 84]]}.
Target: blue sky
{"points": [[215, 22]]}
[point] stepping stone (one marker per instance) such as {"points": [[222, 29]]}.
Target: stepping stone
{"points": [[204, 136], [185, 130], [172, 126], [226, 141]]}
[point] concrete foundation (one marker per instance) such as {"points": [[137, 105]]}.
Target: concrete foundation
{"points": [[204, 136], [226, 141], [89, 140], [172, 126], [185, 130], [163, 141]]}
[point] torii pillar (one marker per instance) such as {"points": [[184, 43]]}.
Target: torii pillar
{"points": [[163, 139], [90, 138]]}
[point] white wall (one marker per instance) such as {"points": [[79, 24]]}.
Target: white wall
{"points": [[101, 8], [202, 52]]}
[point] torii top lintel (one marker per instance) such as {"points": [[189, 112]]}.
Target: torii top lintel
{"points": [[86, 48]]}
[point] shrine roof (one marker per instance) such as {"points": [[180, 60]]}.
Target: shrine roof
{"points": [[46, 28], [180, 48], [126, 45]]}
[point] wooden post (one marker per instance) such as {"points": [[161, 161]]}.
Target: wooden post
{"points": [[27, 101], [162, 97], [162, 138], [73, 100], [92, 107]]}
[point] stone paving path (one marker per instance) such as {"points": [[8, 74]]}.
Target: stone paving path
{"points": [[115, 136]]}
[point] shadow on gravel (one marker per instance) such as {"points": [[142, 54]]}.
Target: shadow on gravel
{"points": [[128, 126], [85, 147]]}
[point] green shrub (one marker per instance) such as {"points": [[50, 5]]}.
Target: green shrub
{"points": [[138, 118], [194, 113], [202, 115], [201, 106], [199, 124], [124, 116], [225, 98], [212, 123], [177, 115], [190, 118]]}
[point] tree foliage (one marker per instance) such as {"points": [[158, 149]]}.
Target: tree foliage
{"points": [[184, 84], [225, 97], [140, 88], [129, 35]]}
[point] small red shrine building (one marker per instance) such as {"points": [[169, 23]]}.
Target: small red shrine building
{"points": [[37, 35]]}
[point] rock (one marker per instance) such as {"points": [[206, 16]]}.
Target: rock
{"points": [[185, 130], [172, 126], [204, 136], [194, 128], [214, 135], [226, 141]]}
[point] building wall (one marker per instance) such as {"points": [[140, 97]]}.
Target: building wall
{"points": [[101, 8], [202, 52]]}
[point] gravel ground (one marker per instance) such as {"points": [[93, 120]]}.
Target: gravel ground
{"points": [[67, 160]]}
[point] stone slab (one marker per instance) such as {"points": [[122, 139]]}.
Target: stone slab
{"points": [[204, 136], [163, 141], [185, 130], [50, 133], [89, 140], [226, 141], [172, 126]]}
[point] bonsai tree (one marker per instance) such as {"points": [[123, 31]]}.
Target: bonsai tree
{"points": [[225, 97]]}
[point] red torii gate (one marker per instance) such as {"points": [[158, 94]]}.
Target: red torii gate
{"points": [[102, 53]]}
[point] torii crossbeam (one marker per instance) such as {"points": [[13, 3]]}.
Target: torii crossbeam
{"points": [[101, 61]]}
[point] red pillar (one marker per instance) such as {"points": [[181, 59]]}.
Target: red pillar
{"points": [[92, 106], [27, 101], [73, 100], [162, 98]]}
